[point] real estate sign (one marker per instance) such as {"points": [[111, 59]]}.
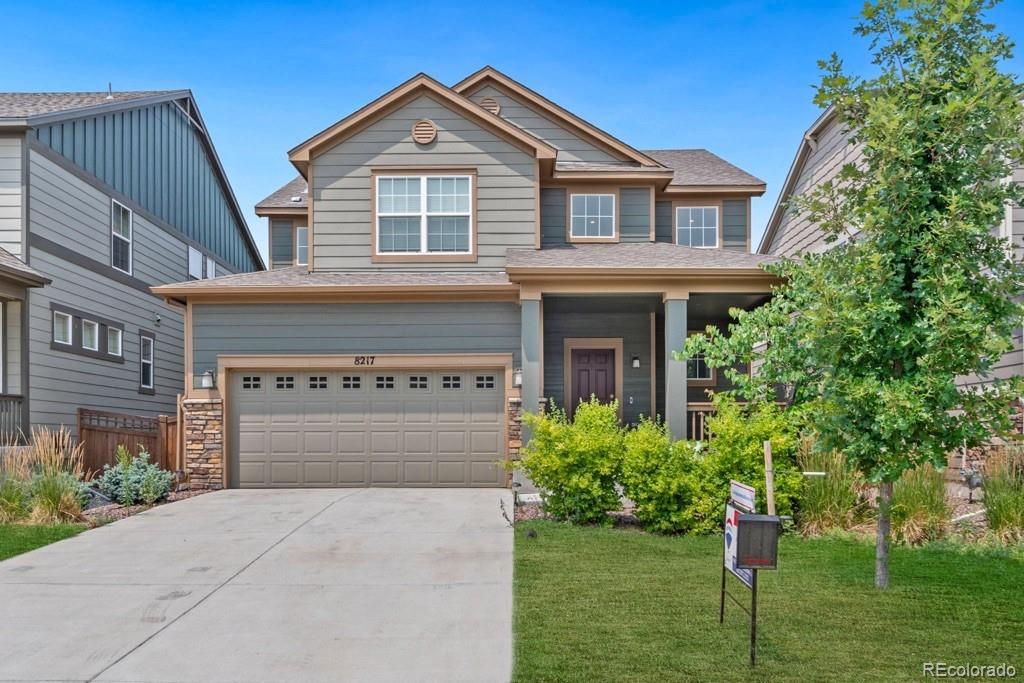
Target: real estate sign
{"points": [[741, 499]]}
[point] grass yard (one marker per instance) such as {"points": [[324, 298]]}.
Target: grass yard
{"points": [[20, 538], [613, 605]]}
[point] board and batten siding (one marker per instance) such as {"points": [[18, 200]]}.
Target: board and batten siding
{"points": [[155, 156], [11, 193], [363, 328], [570, 146], [71, 213], [505, 189]]}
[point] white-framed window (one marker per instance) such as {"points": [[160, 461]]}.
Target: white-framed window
{"points": [[90, 335], [211, 267], [302, 246], [62, 327], [114, 340], [429, 214], [697, 226], [697, 368], [147, 361], [592, 216], [120, 237], [195, 264]]}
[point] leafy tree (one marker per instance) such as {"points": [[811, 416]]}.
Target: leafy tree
{"points": [[915, 289]]}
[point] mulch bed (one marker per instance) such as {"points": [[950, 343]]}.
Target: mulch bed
{"points": [[113, 511]]}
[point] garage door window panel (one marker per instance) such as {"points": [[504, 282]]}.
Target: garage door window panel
{"points": [[351, 382], [385, 382], [317, 383], [252, 383]]}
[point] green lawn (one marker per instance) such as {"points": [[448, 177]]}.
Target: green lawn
{"points": [[20, 538], [613, 605]]}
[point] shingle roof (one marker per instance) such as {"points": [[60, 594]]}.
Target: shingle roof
{"points": [[19, 105], [633, 255], [606, 166], [298, 276], [14, 266], [701, 167], [283, 196]]}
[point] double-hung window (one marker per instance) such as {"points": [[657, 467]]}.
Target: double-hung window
{"points": [[302, 246], [120, 237], [195, 264], [592, 216], [698, 371], [146, 362], [90, 335], [429, 214], [697, 226], [62, 327]]}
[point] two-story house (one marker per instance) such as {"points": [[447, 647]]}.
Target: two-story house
{"points": [[102, 196], [447, 258], [823, 151]]}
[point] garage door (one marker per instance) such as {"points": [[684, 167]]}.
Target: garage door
{"points": [[375, 428]]}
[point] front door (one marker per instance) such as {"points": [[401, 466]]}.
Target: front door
{"points": [[593, 374]]}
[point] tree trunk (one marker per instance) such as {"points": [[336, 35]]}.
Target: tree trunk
{"points": [[883, 530]]}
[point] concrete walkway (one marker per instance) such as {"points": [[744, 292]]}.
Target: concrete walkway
{"points": [[311, 585]]}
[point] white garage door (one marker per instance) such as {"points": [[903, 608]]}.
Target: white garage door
{"points": [[372, 428]]}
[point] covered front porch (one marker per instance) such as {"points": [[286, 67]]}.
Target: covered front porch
{"points": [[16, 279]]}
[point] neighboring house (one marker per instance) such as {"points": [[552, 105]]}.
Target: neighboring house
{"points": [[462, 253], [102, 196], [823, 151]]}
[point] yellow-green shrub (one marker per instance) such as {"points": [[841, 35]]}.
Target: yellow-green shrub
{"points": [[658, 476], [576, 464]]}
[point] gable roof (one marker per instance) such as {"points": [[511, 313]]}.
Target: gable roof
{"points": [[418, 84], [699, 167], [807, 145], [13, 268], [489, 74], [22, 110], [284, 198]]}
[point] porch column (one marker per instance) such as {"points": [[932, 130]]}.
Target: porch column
{"points": [[532, 348], [675, 370]]}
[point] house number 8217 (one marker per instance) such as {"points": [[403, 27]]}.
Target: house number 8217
{"points": [[365, 360]]}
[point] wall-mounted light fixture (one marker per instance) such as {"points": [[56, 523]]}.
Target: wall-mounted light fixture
{"points": [[636, 361], [207, 380], [517, 377]]}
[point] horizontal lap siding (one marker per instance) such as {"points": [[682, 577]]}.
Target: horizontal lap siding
{"points": [[734, 224], [635, 214], [353, 329], [571, 147], [11, 202], [552, 217], [281, 242], [505, 208], [663, 222]]}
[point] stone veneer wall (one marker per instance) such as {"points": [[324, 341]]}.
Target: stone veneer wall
{"points": [[204, 442]]}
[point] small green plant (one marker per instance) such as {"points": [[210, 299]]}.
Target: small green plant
{"points": [[658, 475], [134, 480], [57, 492], [576, 463], [14, 499], [1004, 493], [831, 501], [919, 509]]}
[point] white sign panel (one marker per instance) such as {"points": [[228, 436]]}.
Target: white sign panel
{"points": [[742, 495], [732, 516]]}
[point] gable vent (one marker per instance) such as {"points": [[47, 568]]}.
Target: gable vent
{"points": [[491, 105], [424, 132]]}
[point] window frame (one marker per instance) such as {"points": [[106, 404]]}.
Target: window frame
{"points": [[145, 335], [200, 261], [700, 382], [120, 341], [114, 235], [613, 192], [70, 327], [96, 326], [210, 268], [298, 245], [718, 224], [77, 320], [423, 174]]}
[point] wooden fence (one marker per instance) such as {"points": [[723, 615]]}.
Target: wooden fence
{"points": [[101, 433]]}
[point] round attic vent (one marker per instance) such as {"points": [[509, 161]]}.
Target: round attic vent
{"points": [[424, 131], [491, 105]]}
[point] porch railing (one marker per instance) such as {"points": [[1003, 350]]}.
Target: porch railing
{"points": [[697, 415], [11, 406]]}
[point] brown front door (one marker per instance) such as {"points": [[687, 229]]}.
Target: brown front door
{"points": [[593, 373]]}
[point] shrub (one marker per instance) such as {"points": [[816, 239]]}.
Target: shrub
{"points": [[736, 451], [831, 501], [134, 480], [57, 492], [1004, 493], [14, 499], [919, 510], [575, 464], [658, 476]]}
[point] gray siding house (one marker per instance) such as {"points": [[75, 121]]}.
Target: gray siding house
{"points": [[823, 151], [447, 258], [102, 196]]}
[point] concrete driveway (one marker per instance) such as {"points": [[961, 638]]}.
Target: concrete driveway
{"points": [[285, 585]]}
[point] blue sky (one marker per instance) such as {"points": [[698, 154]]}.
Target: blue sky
{"points": [[732, 76]]}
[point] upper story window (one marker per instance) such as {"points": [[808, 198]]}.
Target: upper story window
{"points": [[697, 226], [84, 334], [147, 361], [211, 267], [592, 216], [199, 266], [429, 214], [120, 237], [302, 246]]}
